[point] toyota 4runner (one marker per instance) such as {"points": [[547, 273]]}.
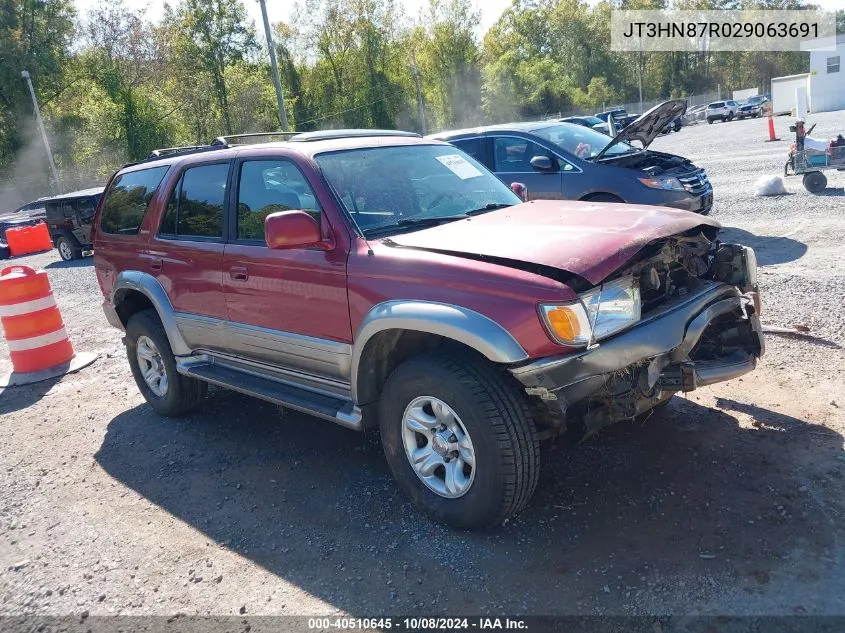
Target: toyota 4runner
{"points": [[382, 279]]}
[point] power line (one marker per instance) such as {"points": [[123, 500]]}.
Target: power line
{"points": [[333, 114]]}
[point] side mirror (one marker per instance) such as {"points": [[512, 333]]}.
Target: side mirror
{"points": [[291, 229], [521, 190], [543, 163]]}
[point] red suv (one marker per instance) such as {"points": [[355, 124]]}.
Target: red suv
{"points": [[377, 278]]}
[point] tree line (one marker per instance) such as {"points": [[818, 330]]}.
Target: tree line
{"points": [[113, 85]]}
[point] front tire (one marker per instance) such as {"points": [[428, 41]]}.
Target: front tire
{"points": [[459, 439], [154, 368], [709, 121], [68, 250]]}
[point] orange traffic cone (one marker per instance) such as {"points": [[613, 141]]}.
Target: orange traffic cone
{"points": [[39, 347], [772, 136]]}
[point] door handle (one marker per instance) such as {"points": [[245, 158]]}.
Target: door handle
{"points": [[156, 263], [239, 273]]}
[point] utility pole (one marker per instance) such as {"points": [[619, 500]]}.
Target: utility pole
{"points": [[420, 104], [25, 75], [283, 117], [640, 78]]}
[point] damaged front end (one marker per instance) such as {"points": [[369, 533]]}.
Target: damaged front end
{"points": [[698, 324]]}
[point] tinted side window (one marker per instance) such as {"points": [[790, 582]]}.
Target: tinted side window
{"points": [[86, 207], [515, 154], [268, 186], [196, 205], [128, 199], [472, 146]]}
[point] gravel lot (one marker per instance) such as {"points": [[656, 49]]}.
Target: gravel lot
{"points": [[730, 501]]}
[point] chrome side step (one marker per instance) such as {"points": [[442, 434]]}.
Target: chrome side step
{"points": [[322, 405]]}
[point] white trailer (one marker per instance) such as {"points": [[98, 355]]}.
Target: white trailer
{"points": [[783, 92], [742, 95]]}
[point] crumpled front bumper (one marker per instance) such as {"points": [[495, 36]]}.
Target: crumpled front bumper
{"points": [[658, 347]]}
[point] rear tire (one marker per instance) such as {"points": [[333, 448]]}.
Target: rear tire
{"points": [[815, 181], [489, 411], [180, 394], [709, 121], [68, 248]]}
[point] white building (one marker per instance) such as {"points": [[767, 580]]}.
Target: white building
{"points": [[823, 87], [826, 88]]}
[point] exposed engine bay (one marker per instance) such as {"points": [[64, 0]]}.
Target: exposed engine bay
{"points": [[699, 325], [653, 163]]}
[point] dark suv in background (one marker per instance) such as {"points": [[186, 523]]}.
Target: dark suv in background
{"points": [[557, 160], [69, 218]]}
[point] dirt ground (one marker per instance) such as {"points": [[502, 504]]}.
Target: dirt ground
{"points": [[731, 501]]}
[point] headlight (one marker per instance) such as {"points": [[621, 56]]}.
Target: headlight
{"points": [[668, 183], [600, 312], [751, 266]]}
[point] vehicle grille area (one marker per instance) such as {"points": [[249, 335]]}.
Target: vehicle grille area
{"points": [[695, 182]]}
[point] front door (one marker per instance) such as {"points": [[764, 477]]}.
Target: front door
{"points": [[512, 163], [288, 308], [85, 208]]}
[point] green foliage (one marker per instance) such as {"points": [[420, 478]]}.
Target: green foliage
{"points": [[113, 86]]}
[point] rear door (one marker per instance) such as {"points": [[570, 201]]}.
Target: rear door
{"points": [[478, 147], [186, 253], [286, 307]]}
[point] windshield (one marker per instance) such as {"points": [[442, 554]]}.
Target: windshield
{"points": [[391, 189], [593, 120], [580, 141]]}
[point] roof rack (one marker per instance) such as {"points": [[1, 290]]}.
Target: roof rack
{"points": [[323, 135], [230, 140], [227, 141], [169, 151]]}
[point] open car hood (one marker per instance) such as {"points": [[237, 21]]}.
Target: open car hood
{"points": [[648, 126], [589, 239]]}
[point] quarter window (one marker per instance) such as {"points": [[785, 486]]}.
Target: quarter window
{"points": [[833, 64], [128, 199], [472, 146], [196, 204], [268, 186]]}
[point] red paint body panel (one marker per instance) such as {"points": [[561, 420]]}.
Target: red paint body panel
{"points": [[191, 273], [589, 239], [297, 290], [505, 295]]}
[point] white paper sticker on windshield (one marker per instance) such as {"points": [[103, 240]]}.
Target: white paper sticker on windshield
{"points": [[459, 166]]}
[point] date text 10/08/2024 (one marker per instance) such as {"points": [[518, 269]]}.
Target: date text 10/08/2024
{"points": [[418, 624]]}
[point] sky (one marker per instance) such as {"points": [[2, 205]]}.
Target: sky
{"points": [[279, 10]]}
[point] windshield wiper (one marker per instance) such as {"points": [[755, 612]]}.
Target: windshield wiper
{"points": [[490, 206], [415, 223]]}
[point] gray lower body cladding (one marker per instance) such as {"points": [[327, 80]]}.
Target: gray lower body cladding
{"points": [[711, 336]]}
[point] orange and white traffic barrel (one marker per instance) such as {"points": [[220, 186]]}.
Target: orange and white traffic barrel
{"points": [[39, 347]]}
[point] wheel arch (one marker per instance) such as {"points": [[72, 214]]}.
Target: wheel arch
{"points": [[134, 291], [393, 331], [598, 194]]}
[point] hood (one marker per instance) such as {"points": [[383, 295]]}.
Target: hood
{"points": [[589, 239], [648, 126]]}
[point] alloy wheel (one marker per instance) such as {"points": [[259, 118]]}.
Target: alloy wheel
{"points": [[438, 447], [151, 365]]}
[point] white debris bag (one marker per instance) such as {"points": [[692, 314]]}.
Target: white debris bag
{"points": [[769, 186]]}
